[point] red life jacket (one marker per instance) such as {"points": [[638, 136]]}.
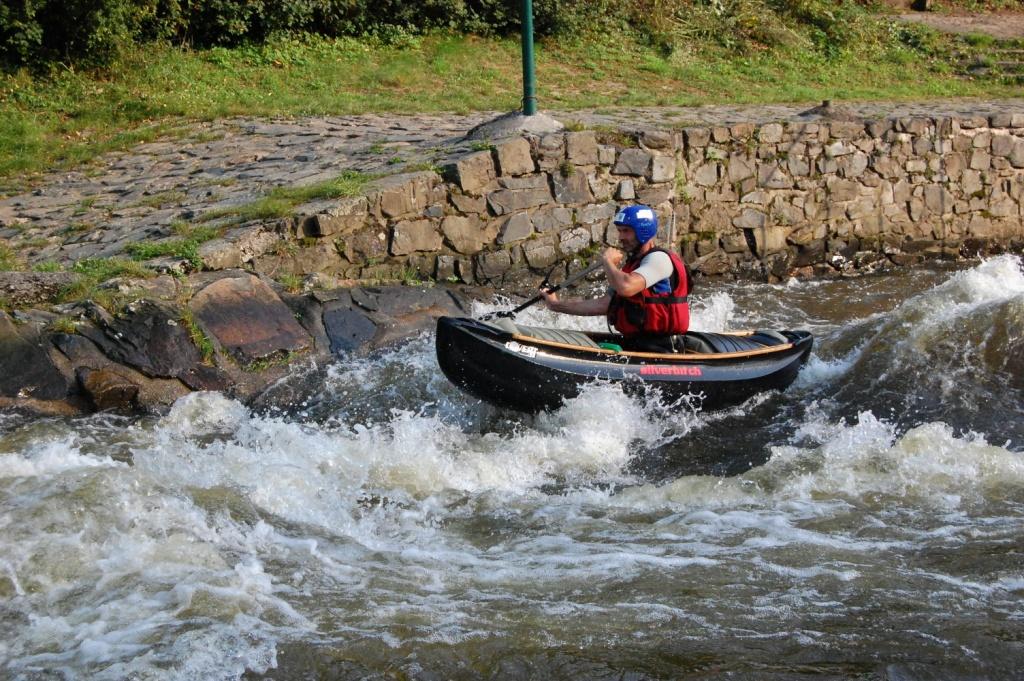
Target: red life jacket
{"points": [[653, 313]]}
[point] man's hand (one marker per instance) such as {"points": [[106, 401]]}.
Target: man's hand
{"points": [[613, 258], [550, 299], [624, 283]]}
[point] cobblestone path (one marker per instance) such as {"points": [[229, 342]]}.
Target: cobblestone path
{"points": [[137, 195]]}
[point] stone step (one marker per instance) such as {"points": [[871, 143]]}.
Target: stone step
{"points": [[988, 55], [984, 68], [994, 70]]}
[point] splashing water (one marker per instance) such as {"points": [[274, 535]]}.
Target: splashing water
{"points": [[393, 526]]}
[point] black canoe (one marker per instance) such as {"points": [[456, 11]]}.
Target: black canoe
{"points": [[533, 369]]}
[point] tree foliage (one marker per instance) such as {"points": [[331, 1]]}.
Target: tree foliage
{"points": [[92, 32]]}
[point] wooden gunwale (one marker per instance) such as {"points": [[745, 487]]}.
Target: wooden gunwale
{"points": [[768, 350]]}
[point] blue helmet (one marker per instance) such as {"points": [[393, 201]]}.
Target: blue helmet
{"points": [[641, 219]]}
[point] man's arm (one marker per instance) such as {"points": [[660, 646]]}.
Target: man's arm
{"points": [[626, 284], [581, 307]]}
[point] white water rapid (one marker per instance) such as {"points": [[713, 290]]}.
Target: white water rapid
{"points": [[868, 521]]}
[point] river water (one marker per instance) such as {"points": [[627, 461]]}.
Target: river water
{"points": [[866, 523]]}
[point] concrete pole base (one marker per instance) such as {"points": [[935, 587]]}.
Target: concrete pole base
{"points": [[515, 123]]}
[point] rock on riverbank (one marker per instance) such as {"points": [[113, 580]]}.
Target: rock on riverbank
{"points": [[232, 331]]}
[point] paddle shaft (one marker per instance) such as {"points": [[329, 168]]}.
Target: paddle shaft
{"points": [[550, 289]]}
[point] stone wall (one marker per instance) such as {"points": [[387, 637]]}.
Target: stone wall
{"points": [[765, 201]]}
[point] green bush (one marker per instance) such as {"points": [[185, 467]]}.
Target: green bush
{"points": [[92, 32], [88, 32], [230, 22], [21, 36], [828, 26], [484, 17]]}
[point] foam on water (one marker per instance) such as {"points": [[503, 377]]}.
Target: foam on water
{"points": [[415, 464], [955, 310], [132, 592], [50, 458], [230, 533], [817, 370], [946, 352], [152, 557], [286, 467], [992, 282], [110, 565], [927, 467], [995, 278]]}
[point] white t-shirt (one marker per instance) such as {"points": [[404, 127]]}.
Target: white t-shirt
{"points": [[654, 267]]}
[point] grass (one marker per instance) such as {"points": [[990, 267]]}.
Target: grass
{"points": [[102, 269], [8, 258], [76, 227], [186, 246], [423, 166], [71, 117], [63, 325], [83, 207], [607, 134], [281, 201], [278, 359], [198, 336], [292, 283], [409, 276], [161, 199], [94, 272]]}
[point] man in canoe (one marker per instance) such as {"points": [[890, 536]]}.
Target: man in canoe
{"points": [[648, 286]]}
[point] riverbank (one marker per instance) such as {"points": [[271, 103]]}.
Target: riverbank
{"points": [[135, 284], [233, 169]]}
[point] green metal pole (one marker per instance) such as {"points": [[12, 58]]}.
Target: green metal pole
{"points": [[529, 77]]}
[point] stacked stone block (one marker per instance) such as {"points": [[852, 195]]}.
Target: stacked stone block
{"points": [[765, 201]]}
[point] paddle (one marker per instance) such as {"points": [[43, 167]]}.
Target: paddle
{"points": [[550, 289]]}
